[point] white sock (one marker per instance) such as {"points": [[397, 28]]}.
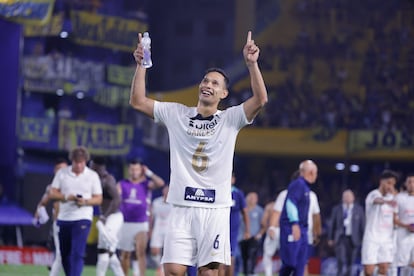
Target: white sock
{"points": [[56, 266], [267, 265], [135, 268], [115, 265], [102, 264]]}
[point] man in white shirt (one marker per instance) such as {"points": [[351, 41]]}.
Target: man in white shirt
{"points": [[78, 188], [404, 256], [377, 243], [202, 140]]}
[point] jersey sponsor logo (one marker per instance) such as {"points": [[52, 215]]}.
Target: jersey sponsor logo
{"points": [[202, 126], [200, 195]]}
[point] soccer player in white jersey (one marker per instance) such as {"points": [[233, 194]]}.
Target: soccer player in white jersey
{"points": [[202, 140], [160, 212], [405, 230], [377, 243]]}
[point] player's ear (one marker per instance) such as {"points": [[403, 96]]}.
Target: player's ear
{"points": [[224, 94]]}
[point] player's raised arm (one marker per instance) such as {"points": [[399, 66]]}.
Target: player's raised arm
{"points": [[254, 104], [138, 99]]}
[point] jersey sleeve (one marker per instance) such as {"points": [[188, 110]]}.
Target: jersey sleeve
{"points": [[314, 204], [166, 111], [238, 116], [280, 200]]}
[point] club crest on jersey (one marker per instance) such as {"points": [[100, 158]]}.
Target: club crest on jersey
{"points": [[200, 195]]}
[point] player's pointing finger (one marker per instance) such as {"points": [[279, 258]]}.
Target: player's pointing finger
{"points": [[249, 36]]}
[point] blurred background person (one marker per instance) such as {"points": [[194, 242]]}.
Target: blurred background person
{"points": [[294, 221], [378, 239], [110, 221], [238, 211], [346, 231], [160, 211], [57, 262], [404, 255], [78, 189], [250, 248], [135, 194]]}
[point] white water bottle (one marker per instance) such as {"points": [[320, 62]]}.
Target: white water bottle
{"points": [[146, 46]]}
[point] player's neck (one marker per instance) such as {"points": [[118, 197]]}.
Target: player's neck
{"points": [[206, 110]]}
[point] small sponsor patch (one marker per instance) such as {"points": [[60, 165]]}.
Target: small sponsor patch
{"points": [[200, 195]]}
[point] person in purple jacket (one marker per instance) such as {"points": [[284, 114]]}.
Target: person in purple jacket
{"points": [[135, 198], [294, 221]]}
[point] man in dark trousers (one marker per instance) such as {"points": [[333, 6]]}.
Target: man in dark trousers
{"points": [[346, 232], [294, 221]]}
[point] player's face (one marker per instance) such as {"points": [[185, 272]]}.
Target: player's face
{"points": [[78, 166], [135, 171], [212, 88], [388, 185], [348, 197], [313, 175], [409, 184]]}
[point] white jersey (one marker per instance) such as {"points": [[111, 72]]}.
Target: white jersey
{"points": [[405, 203], [379, 218], [313, 209], [160, 211], [86, 184], [280, 200], [201, 153]]}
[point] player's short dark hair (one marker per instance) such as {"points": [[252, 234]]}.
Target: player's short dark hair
{"points": [[60, 160], [135, 161], [389, 174], [99, 160], [220, 71], [79, 154], [411, 174]]}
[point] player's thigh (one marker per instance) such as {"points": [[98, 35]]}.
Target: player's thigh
{"points": [[213, 236], [180, 248]]}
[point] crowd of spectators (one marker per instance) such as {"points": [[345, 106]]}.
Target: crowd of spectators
{"points": [[349, 67]]}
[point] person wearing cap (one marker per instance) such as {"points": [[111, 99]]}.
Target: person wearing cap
{"points": [[78, 189]]}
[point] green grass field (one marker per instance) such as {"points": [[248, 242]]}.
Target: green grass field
{"points": [[32, 270]]}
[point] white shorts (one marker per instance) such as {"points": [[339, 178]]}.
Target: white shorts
{"points": [[157, 237], [113, 225], [271, 245], [405, 244], [128, 232], [198, 236], [377, 252]]}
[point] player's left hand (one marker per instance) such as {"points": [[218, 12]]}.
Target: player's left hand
{"points": [[139, 52], [250, 51], [296, 232]]}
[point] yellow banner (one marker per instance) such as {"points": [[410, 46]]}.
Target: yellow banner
{"points": [[381, 144], [106, 31], [27, 12], [99, 138], [121, 75], [36, 129], [51, 28], [291, 142]]}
